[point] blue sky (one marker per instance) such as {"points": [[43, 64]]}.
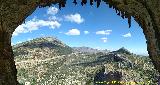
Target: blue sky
{"points": [[83, 26]]}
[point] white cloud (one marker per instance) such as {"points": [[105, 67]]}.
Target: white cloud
{"points": [[104, 32], [74, 18], [104, 39], [127, 35], [54, 18], [86, 32], [73, 32], [35, 24], [52, 10]]}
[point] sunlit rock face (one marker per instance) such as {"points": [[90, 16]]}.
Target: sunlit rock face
{"points": [[14, 12]]}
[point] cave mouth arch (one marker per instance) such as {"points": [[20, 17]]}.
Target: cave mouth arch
{"points": [[86, 21], [13, 13]]}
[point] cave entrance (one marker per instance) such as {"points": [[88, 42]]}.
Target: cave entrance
{"points": [[76, 28], [13, 13]]}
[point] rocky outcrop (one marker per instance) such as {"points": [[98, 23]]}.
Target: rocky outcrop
{"points": [[110, 78], [122, 50], [14, 12]]}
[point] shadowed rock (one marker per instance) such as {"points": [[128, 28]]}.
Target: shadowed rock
{"points": [[110, 78]]}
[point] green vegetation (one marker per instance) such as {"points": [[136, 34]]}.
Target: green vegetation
{"points": [[48, 61]]}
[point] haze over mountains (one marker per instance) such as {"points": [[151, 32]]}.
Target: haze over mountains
{"points": [[88, 50], [49, 61]]}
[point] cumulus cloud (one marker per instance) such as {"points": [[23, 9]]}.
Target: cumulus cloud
{"points": [[52, 10], [73, 32], [35, 24], [86, 32], [127, 35], [55, 18], [104, 32], [104, 39], [74, 18]]}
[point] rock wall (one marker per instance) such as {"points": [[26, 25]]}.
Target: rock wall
{"points": [[7, 65], [14, 12]]}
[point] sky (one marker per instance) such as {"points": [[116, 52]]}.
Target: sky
{"points": [[86, 25]]}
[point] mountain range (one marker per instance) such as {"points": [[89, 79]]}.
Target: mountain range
{"points": [[48, 61], [88, 50]]}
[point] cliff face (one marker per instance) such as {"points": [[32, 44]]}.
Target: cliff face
{"points": [[14, 12]]}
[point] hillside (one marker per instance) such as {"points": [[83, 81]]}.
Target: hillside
{"points": [[48, 61], [41, 48]]}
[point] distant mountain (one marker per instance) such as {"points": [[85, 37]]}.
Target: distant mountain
{"points": [[88, 50], [50, 45], [49, 61], [122, 50], [41, 42]]}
